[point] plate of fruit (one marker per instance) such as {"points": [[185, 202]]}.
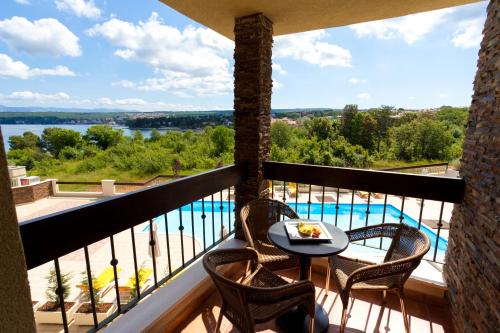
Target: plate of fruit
{"points": [[307, 231]]}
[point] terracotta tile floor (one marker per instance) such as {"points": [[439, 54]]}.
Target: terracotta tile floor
{"points": [[366, 312]]}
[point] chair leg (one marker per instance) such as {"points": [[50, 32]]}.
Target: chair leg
{"points": [[384, 296], [311, 325], [403, 311], [328, 272], [219, 321], [343, 321]]}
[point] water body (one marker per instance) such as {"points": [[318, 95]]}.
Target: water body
{"points": [[9, 130]]}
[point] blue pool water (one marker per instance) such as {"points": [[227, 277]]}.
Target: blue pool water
{"points": [[217, 215]]}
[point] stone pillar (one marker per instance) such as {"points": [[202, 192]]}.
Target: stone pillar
{"points": [[16, 311], [252, 104], [472, 269]]}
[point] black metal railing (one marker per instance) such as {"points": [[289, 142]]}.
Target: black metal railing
{"points": [[197, 207], [381, 195], [49, 238]]}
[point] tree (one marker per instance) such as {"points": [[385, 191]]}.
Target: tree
{"points": [[281, 134], [138, 137], [222, 139], [155, 135], [348, 114], [27, 140], [319, 127], [423, 138], [368, 131], [176, 167], [103, 136], [383, 117], [54, 139]]}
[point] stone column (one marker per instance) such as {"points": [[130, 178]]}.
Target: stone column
{"points": [[252, 104], [16, 311], [472, 269]]}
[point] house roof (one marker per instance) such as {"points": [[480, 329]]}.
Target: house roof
{"points": [[292, 16]]}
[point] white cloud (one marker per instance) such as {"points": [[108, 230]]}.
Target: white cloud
{"points": [[469, 33], [181, 84], [79, 8], [18, 69], [277, 84], [410, 28], [34, 97], [310, 47], [62, 99], [364, 96], [191, 60], [123, 84], [355, 80], [44, 36], [22, 2], [443, 95], [279, 69]]}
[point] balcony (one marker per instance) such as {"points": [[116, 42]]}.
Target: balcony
{"points": [[144, 247], [168, 227]]}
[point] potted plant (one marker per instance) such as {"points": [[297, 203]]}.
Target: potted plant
{"points": [[84, 316], [50, 312]]}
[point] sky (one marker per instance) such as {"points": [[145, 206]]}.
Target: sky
{"points": [[145, 56]]}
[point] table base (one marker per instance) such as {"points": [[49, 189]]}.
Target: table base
{"points": [[297, 320]]}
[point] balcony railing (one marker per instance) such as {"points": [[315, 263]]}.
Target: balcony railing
{"points": [[377, 191], [50, 237], [199, 203]]}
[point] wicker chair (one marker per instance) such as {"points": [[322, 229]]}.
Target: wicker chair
{"points": [[256, 217], [407, 248], [261, 295]]}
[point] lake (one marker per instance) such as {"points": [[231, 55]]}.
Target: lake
{"points": [[19, 129]]}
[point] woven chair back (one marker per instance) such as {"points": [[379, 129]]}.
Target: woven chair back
{"points": [[258, 215]]}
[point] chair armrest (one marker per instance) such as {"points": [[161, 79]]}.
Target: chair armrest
{"points": [[248, 236], [278, 294], [401, 266]]}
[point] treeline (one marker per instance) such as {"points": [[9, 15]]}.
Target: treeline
{"points": [[359, 139], [106, 150], [184, 122], [351, 138]]}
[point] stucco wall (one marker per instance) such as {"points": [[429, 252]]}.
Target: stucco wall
{"points": [[16, 312]]}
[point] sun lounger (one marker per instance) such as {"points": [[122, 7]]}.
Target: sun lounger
{"points": [[103, 282], [128, 287]]}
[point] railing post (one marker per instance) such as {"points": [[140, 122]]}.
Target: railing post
{"points": [[108, 187], [55, 186], [252, 105]]}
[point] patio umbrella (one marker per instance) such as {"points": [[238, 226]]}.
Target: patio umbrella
{"points": [[154, 237]]}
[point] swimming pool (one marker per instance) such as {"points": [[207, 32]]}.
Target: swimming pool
{"points": [[192, 222]]}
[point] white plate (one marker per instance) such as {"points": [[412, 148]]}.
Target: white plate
{"points": [[295, 236]]}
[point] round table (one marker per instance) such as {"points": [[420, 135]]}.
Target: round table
{"points": [[291, 321]]}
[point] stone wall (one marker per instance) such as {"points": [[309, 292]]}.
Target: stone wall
{"points": [[252, 103], [30, 193], [472, 269]]}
